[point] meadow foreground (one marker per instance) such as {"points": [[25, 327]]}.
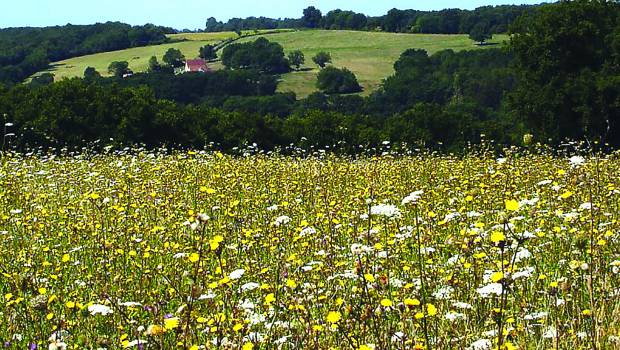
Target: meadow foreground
{"points": [[201, 250]]}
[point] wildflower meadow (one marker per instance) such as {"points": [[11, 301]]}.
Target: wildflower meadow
{"points": [[200, 250]]}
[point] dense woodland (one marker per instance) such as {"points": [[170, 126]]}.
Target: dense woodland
{"points": [[558, 78], [495, 19], [25, 51]]}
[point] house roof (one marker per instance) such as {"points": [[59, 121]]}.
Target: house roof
{"points": [[197, 65]]}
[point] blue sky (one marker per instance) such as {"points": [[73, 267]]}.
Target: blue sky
{"points": [[193, 13]]}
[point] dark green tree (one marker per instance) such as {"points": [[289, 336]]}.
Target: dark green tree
{"points": [[312, 17], [208, 52], [43, 79], [296, 58], [154, 65], [332, 80], [174, 58], [118, 68], [567, 64], [480, 33], [261, 54], [90, 73], [322, 59]]}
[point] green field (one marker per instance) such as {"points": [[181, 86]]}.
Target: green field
{"points": [[138, 57], [369, 55]]}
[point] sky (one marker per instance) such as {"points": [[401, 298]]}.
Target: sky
{"points": [[192, 14]]}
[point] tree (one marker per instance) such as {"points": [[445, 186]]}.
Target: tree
{"points": [[174, 58], [154, 65], [332, 80], [118, 68], [261, 54], [322, 58], [567, 68], [213, 25], [90, 73], [312, 17], [43, 79], [480, 33], [296, 58], [208, 52]]}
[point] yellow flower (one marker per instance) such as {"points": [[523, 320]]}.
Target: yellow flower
{"points": [[154, 330], [334, 317], [270, 298], [566, 195], [512, 205], [497, 276], [386, 302], [291, 284], [194, 257], [586, 312], [70, 304], [497, 237], [248, 346], [412, 302], [369, 278], [431, 310], [171, 323]]}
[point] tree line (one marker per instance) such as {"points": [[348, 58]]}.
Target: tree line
{"points": [[556, 79], [493, 19]]}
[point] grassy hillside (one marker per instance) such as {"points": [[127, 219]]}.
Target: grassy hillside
{"points": [[137, 57], [369, 55]]}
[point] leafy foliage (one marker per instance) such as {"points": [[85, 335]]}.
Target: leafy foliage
{"points": [[296, 58], [312, 17], [260, 54], [567, 65], [174, 58], [480, 33], [322, 59], [332, 80], [118, 68], [208, 52]]}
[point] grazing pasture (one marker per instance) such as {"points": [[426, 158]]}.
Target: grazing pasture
{"points": [[201, 250], [370, 55]]}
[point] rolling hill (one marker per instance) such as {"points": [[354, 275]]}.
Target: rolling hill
{"points": [[370, 55]]}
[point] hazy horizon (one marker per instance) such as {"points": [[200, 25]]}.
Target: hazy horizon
{"points": [[192, 14]]}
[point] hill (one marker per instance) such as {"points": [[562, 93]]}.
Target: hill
{"points": [[370, 55], [138, 57]]}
